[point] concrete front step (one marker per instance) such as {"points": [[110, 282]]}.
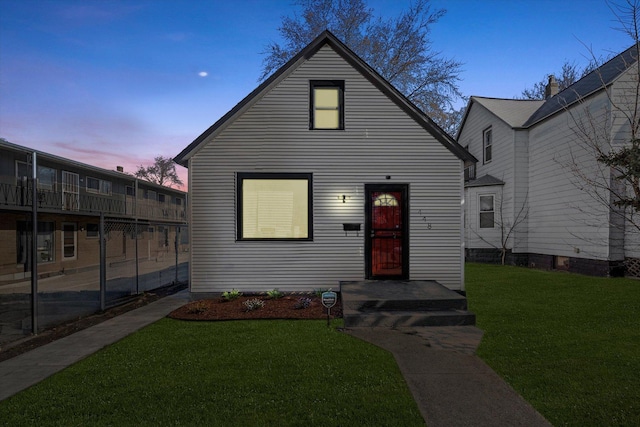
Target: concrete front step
{"points": [[398, 318], [441, 304], [403, 303]]}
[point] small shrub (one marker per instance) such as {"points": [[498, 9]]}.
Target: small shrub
{"points": [[231, 295], [253, 304], [303, 302], [320, 291], [197, 307], [274, 294]]}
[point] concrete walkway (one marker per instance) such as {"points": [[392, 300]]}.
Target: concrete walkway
{"points": [[30, 368], [451, 385]]}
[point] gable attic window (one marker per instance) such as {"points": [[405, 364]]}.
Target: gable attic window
{"points": [[487, 142], [326, 104], [274, 206]]}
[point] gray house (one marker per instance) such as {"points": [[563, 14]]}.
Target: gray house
{"points": [[537, 189], [323, 173]]}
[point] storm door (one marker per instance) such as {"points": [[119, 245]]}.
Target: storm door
{"points": [[387, 240]]}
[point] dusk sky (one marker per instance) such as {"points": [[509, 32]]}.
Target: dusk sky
{"points": [[118, 82]]}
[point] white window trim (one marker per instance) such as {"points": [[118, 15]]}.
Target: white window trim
{"points": [[75, 241], [488, 130], [493, 211]]}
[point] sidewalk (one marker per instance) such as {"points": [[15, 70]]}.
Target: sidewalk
{"points": [[30, 368], [451, 385]]}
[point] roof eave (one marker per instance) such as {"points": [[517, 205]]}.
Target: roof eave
{"points": [[326, 37]]}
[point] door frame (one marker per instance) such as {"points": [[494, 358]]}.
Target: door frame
{"points": [[404, 189]]}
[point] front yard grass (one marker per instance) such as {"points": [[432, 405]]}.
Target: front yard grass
{"points": [[242, 373], [569, 344]]}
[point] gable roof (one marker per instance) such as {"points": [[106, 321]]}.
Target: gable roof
{"points": [[514, 112], [327, 38], [593, 82]]}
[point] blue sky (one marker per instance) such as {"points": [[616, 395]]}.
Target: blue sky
{"points": [[118, 82]]}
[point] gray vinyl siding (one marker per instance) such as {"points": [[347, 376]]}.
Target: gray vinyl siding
{"points": [[520, 207], [501, 167], [564, 219], [623, 93], [273, 135]]}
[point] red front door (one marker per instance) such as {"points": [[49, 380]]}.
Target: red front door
{"points": [[386, 234]]}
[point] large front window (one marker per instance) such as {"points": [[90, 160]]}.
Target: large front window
{"points": [[274, 206]]}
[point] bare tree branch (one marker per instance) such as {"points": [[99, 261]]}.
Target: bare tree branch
{"points": [[161, 172], [399, 49]]}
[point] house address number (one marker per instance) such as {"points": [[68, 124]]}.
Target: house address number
{"points": [[424, 219]]}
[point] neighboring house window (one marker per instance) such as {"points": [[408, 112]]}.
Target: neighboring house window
{"points": [[487, 142], [327, 105], [161, 198], [151, 195], [470, 170], [69, 240], [178, 201], [274, 206], [46, 176], [44, 243], [487, 211], [95, 185], [93, 230], [131, 191]]}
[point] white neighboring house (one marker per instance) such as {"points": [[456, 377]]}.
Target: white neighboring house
{"points": [[323, 173], [523, 186]]}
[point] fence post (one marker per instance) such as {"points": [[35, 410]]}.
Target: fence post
{"points": [[34, 246], [136, 225], [103, 265], [176, 248]]}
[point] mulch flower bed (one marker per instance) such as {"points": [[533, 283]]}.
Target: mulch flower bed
{"points": [[279, 308]]}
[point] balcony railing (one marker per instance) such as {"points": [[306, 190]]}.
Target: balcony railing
{"points": [[20, 196]]}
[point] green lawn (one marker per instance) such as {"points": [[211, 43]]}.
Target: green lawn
{"points": [[570, 344], [245, 373]]}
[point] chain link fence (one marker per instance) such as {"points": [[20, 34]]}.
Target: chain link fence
{"points": [[115, 260], [143, 257]]}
